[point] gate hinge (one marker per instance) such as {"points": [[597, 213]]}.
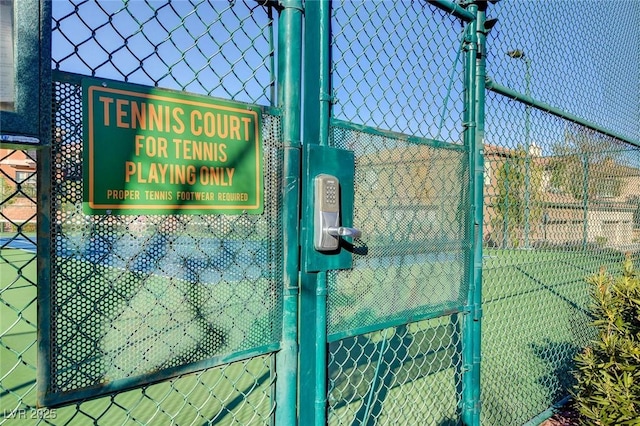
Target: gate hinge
{"points": [[474, 310], [477, 312], [328, 97]]}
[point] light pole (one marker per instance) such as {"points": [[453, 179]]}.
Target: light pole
{"points": [[519, 54]]}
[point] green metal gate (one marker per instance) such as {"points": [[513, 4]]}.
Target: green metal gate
{"points": [[159, 319], [237, 318], [395, 322]]}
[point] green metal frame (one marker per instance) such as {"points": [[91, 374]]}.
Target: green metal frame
{"points": [[558, 112], [474, 45], [313, 343], [313, 302], [301, 356], [286, 348], [473, 63], [289, 66]]}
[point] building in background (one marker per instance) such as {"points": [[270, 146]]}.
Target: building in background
{"points": [[18, 187], [572, 200]]}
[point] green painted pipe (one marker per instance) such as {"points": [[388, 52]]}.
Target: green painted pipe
{"points": [[324, 18], [478, 188], [321, 350], [313, 297], [325, 71], [289, 70], [546, 414], [528, 100], [474, 77], [397, 321], [469, 135]]}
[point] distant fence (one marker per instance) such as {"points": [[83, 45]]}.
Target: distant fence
{"points": [[561, 175]]}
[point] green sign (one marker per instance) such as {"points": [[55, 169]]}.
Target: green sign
{"points": [[149, 151]]}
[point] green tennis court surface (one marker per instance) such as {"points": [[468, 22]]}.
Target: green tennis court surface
{"points": [[535, 319], [526, 295]]}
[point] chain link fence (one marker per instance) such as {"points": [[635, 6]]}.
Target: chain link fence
{"points": [[398, 68], [181, 289], [397, 87], [18, 271], [561, 198]]}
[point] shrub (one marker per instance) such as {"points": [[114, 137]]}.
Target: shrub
{"points": [[608, 372]]}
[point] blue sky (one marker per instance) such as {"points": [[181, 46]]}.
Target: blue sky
{"points": [[398, 68], [193, 46], [585, 59], [396, 64]]}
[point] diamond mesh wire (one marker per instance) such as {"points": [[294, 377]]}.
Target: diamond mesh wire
{"points": [[561, 200], [403, 375], [111, 285], [397, 67], [19, 186], [216, 48], [238, 393], [574, 52], [18, 277], [577, 213], [396, 74]]}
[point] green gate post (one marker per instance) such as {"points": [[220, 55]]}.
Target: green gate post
{"points": [[474, 75], [313, 298], [44, 174], [289, 70]]}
